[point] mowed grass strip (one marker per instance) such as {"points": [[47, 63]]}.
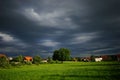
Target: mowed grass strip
{"points": [[65, 71]]}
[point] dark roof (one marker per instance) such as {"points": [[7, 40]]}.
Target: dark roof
{"points": [[118, 55]]}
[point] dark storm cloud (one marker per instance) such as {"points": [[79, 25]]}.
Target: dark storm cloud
{"points": [[38, 27]]}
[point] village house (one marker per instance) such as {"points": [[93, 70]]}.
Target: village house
{"points": [[2, 55], [99, 59], [10, 58], [86, 59], [28, 58], [75, 59], [44, 61], [105, 57], [118, 57]]}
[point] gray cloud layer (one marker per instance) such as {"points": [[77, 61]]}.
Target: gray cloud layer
{"points": [[37, 27]]}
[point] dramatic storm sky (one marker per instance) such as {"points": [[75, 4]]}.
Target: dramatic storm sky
{"points": [[38, 27]]}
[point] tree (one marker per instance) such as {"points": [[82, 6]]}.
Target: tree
{"points": [[36, 60], [92, 58], [50, 60], [56, 55], [4, 62], [18, 59], [63, 54]]}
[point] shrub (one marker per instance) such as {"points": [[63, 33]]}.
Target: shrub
{"points": [[16, 64], [29, 63], [4, 63], [37, 60], [50, 60]]}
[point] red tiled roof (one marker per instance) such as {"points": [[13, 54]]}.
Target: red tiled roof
{"points": [[28, 58], [2, 55]]}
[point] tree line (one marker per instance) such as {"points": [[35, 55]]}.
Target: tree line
{"points": [[60, 55]]}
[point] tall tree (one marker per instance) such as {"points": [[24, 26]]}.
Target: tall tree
{"points": [[36, 60], [63, 54], [56, 55]]}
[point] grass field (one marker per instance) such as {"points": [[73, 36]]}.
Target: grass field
{"points": [[65, 71]]}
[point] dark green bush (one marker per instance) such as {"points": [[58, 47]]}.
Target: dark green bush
{"points": [[4, 63]]}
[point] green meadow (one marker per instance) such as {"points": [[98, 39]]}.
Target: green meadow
{"points": [[65, 71]]}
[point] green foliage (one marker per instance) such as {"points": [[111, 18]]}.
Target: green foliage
{"points": [[37, 60], [50, 60], [4, 63], [16, 64], [63, 54], [18, 59], [77, 58], [56, 55], [28, 63], [92, 58], [112, 58]]}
